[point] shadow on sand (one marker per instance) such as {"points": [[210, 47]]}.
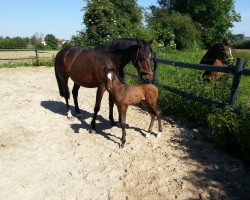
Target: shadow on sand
{"points": [[59, 108]]}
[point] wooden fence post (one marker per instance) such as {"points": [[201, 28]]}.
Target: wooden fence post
{"points": [[155, 76], [37, 59], [236, 81]]}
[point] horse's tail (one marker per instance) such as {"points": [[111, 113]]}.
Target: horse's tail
{"points": [[60, 72], [59, 83]]}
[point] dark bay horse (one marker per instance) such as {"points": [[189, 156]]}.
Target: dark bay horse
{"points": [[125, 95], [86, 68], [219, 54]]}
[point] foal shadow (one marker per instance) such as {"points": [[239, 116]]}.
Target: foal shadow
{"points": [[60, 108]]}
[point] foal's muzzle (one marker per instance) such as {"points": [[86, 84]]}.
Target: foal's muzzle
{"points": [[109, 90]]}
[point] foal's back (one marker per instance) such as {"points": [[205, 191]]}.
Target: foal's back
{"points": [[141, 92]]}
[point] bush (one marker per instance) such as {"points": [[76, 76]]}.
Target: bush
{"points": [[242, 45], [13, 43]]}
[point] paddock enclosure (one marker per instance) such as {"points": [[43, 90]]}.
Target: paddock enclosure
{"points": [[44, 155]]}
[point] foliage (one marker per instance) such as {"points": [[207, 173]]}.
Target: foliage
{"points": [[214, 18], [173, 29], [242, 44], [236, 37], [51, 41], [39, 46], [80, 39], [106, 20], [13, 43]]}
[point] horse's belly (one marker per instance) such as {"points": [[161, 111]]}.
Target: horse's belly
{"points": [[84, 80]]}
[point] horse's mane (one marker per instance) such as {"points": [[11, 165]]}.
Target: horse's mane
{"points": [[118, 45]]}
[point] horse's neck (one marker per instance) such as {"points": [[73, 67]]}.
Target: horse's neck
{"points": [[208, 58]]}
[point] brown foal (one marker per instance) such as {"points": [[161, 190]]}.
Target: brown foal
{"points": [[125, 95]]}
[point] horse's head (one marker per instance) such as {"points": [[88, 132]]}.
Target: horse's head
{"points": [[142, 60], [224, 53]]}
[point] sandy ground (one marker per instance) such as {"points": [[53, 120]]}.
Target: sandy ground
{"points": [[44, 155]]}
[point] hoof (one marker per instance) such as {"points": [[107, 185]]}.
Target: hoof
{"points": [[79, 116], [113, 123], [158, 135], [92, 131], [69, 115]]}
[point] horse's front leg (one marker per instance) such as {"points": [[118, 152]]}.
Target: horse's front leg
{"points": [[75, 96], [99, 94]]}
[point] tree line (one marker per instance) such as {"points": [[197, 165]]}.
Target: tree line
{"points": [[36, 41], [176, 24]]}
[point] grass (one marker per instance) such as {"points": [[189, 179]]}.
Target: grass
{"points": [[45, 58], [228, 129]]}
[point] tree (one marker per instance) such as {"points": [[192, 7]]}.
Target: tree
{"points": [[213, 18], [173, 29], [100, 22], [51, 41], [109, 19]]}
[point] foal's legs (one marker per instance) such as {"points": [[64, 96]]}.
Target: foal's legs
{"points": [[99, 94], [75, 95], [155, 111], [122, 113], [111, 107]]}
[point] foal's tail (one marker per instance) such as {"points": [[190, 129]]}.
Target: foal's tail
{"points": [[61, 76]]}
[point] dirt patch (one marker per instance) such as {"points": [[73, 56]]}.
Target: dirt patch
{"points": [[44, 155]]}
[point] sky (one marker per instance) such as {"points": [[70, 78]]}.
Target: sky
{"points": [[63, 18]]}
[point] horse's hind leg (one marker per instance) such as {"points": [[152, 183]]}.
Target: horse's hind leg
{"points": [[66, 95], [75, 95]]}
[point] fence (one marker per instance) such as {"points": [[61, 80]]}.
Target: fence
{"points": [[237, 72]]}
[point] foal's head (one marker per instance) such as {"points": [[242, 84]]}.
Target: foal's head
{"points": [[112, 80]]}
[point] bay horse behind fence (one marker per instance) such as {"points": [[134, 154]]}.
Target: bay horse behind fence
{"points": [[219, 54], [86, 68], [125, 95]]}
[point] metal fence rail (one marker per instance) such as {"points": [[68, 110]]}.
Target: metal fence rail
{"points": [[236, 70]]}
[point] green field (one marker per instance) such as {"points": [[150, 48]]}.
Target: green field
{"points": [[45, 58]]}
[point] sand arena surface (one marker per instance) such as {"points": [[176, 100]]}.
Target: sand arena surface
{"points": [[44, 155]]}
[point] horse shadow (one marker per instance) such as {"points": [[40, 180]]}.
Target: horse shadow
{"points": [[58, 107]]}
